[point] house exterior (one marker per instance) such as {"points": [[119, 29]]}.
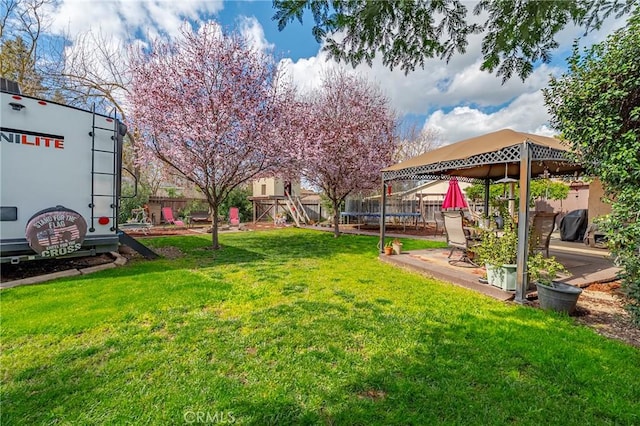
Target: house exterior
{"points": [[422, 203], [430, 196], [582, 196]]}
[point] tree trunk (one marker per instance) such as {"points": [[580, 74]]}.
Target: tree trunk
{"points": [[336, 219], [215, 245]]}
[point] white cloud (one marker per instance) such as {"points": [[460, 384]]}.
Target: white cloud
{"points": [[462, 89], [526, 113], [438, 86], [121, 19], [307, 73], [253, 32], [453, 97]]}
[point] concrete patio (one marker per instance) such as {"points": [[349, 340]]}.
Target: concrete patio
{"points": [[586, 265]]}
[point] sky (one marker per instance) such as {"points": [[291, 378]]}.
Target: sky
{"points": [[456, 99]]}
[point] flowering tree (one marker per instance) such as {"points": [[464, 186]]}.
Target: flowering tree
{"points": [[350, 138], [212, 109]]}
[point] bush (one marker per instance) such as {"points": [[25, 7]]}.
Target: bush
{"points": [[193, 206], [239, 198], [596, 108]]}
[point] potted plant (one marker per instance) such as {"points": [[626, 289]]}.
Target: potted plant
{"points": [[552, 294], [388, 249], [499, 254], [397, 246]]}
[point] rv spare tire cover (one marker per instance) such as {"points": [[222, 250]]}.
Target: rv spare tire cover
{"points": [[56, 231]]}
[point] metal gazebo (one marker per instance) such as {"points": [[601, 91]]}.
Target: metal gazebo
{"points": [[488, 158]]}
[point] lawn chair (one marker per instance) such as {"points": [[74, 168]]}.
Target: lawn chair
{"points": [[234, 216], [458, 238], [168, 217], [439, 223], [543, 225]]}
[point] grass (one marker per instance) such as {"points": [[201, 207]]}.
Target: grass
{"points": [[296, 327]]}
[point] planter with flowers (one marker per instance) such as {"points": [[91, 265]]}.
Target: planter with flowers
{"points": [[499, 254], [388, 249]]}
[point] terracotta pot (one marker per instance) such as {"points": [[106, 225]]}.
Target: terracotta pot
{"points": [[388, 251]]}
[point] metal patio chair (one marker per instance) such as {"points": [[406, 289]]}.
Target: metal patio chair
{"points": [[542, 226], [458, 238]]}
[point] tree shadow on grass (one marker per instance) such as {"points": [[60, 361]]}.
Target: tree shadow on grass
{"points": [[289, 243], [470, 369], [251, 247]]}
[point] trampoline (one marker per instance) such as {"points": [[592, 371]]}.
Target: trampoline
{"points": [[403, 218]]}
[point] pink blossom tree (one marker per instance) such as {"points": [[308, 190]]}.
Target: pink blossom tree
{"points": [[349, 138], [211, 108]]}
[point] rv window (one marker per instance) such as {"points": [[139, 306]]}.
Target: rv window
{"points": [[8, 214], [9, 86]]}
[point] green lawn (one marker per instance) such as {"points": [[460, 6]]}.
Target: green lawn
{"points": [[296, 327]]}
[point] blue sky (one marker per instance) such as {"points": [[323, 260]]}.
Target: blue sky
{"points": [[457, 100], [295, 41]]}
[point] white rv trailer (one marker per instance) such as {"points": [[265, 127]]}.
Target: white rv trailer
{"points": [[60, 179]]}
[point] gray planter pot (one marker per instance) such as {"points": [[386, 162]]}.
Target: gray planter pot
{"points": [[558, 296]]}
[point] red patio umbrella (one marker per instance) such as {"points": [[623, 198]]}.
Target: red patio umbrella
{"points": [[454, 198]]}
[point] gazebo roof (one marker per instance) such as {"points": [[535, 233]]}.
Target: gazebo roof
{"points": [[484, 157]]}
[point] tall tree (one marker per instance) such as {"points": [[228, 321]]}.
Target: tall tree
{"points": [[596, 106], [405, 33], [94, 73], [21, 26], [414, 141], [350, 138], [17, 63], [212, 108]]}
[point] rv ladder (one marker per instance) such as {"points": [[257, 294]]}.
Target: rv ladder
{"points": [[115, 164]]}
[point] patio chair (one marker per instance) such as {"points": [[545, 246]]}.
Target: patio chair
{"points": [[542, 227], [234, 216], [168, 217], [439, 224], [458, 238]]}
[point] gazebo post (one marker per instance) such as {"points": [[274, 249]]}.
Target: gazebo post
{"points": [[487, 184], [522, 278], [383, 212]]}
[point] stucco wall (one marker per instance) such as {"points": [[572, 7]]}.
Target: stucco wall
{"points": [[578, 199], [596, 206]]}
